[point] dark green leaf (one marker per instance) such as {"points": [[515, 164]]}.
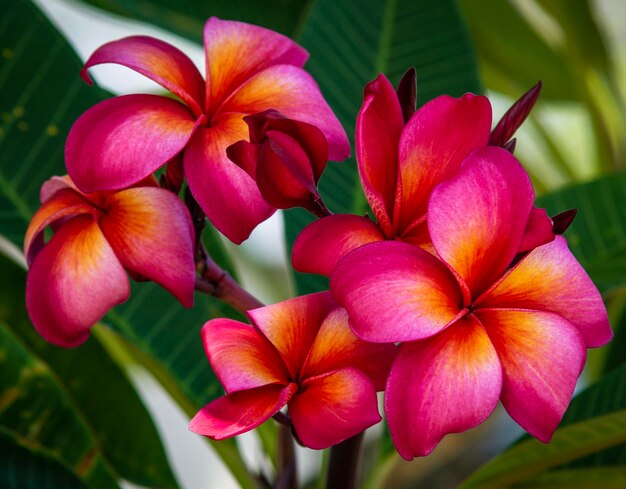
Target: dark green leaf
{"points": [[35, 408], [616, 354], [22, 467], [350, 44], [186, 17], [604, 477]]}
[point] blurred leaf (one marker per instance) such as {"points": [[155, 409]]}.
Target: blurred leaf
{"points": [[187, 17], [616, 354], [34, 408], [98, 387], [598, 234], [531, 457], [24, 468], [350, 43], [512, 56], [604, 477]]}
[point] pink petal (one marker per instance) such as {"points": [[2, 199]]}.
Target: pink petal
{"points": [[378, 128], [550, 279], [434, 142], [159, 61], [477, 218], [241, 412], [122, 140], [73, 282], [226, 193], [53, 185], [321, 244], [445, 384], [329, 409], [395, 292], [336, 347], [63, 203], [236, 51], [135, 224], [241, 356], [292, 325], [292, 92], [542, 356], [538, 230]]}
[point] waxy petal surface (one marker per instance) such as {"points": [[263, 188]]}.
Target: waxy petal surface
{"points": [[320, 245], [538, 230], [159, 61], [337, 347], [135, 225], [241, 356], [292, 325], [121, 140], [74, 280], [477, 218], [235, 51], [378, 128], [433, 145], [226, 193], [550, 279], [395, 292], [292, 92], [445, 384], [240, 412], [334, 407], [542, 356]]}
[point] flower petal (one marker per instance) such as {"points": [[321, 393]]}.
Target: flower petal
{"points": [[434, 142], [321, 244], [445, 384], [241, 357], [538, 230], [395, 292], [61, 204], [378, 128], [331, 408], [292, 325], [236, 51], [121, 140], [336, 347], [73, 282], [159, 61], [542, 356], [226, 193], [135, 224], [550, 279], [292, 92], [477, 218], [240, 412]]}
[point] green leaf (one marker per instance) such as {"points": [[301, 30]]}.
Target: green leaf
{"points": [[35, 408], [99, 388], [24, 468], [350, 44], [616, 354], [598, 234], [187, 17], [531, 457], [604, 477]]}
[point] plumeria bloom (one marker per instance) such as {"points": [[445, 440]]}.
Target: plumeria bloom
{"points": [[402, 154], [299, 353], [248, 70], [476, 325], [80, 273], [286, 158]]}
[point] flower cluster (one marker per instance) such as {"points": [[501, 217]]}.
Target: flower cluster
{"points": [[458, 294]]}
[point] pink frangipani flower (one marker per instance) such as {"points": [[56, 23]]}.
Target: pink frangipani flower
{"points": [[80, 273], [248, 69], [476, 325], [298, 353]]}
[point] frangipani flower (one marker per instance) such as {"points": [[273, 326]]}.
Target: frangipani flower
{"points": [[475, 328], [249, 69], [300, 353], [80, 273]]}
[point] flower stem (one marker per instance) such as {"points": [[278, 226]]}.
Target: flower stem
{"points": [[344, 462], [286, 477]]}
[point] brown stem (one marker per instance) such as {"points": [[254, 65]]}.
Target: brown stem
{"points": [[286, 477], [344, 462], [319, 209]]}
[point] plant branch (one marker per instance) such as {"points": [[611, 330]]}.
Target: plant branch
{"points": [[344, 462]]}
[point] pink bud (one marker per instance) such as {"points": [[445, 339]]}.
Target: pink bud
{"points": [[514, 117]]}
